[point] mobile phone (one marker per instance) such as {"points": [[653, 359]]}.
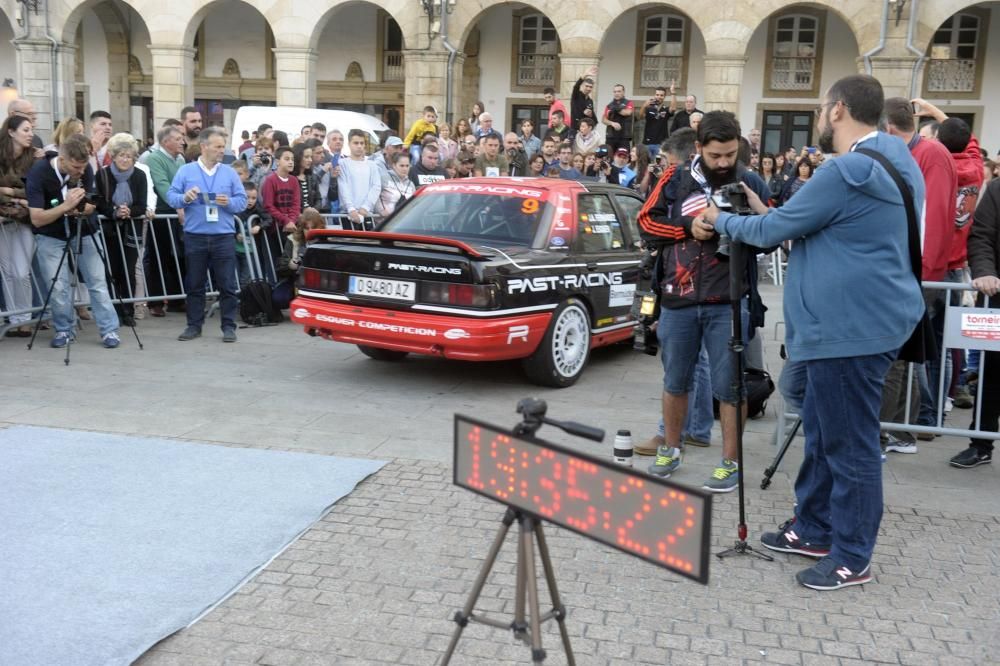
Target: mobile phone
{"points": [[916, 108], [811, 149]]}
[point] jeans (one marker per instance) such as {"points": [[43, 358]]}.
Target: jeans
{"points": [[682, 332], [792, 385], [122, 250], [164, 259], [698, 420], [839, 486], [91, 266], [218, 253], [17, 244], [936, 301]]}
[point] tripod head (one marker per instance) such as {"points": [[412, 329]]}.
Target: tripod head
{"points": [[533, 412]]}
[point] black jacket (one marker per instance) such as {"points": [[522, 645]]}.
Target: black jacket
{"points": [[44, 190], [106, 188], [984, 239]]}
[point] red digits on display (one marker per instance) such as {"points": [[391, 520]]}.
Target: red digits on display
{"points": [[643, 518]]}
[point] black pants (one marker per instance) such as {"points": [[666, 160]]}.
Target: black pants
{"points": [[122, 241], [989, 377], [163, 262]]}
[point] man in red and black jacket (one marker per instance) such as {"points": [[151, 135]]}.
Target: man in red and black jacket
{"points": [[693, 279]]}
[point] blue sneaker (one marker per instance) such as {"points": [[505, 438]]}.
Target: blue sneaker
{"points": [[668, 459], [62, 339], [827, 575], [724, 479], [111, 340]]}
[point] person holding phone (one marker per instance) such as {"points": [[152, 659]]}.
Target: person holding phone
{"points": [[211, 195]]}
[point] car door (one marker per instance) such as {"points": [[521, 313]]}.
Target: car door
{"points": [[611, 266]]}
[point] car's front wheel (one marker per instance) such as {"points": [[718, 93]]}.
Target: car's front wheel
{"points": [[562, 355], [382, 354]]}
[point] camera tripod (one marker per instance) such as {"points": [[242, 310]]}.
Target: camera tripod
{"points": [[72, 248], [737, 268]]}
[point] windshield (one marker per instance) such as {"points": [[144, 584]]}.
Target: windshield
{"points": [[500, 219]]}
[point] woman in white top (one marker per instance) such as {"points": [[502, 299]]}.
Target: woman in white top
{"points": [[397, 188]]}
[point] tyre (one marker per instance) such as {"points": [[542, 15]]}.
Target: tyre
{"points": [[562, 355], [382, 354]]}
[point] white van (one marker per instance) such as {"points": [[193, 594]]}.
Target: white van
{"points": [[291, 120]]}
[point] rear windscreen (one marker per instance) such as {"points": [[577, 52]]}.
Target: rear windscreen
{"points": [[487, 218]]}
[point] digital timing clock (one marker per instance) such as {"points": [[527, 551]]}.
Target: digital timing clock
{"points": [[651, 518]]}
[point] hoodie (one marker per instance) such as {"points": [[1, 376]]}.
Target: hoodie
{"points": [[969, 165], [850, 289]]}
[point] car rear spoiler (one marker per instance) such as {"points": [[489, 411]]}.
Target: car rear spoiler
{"points": [[388, 238]]}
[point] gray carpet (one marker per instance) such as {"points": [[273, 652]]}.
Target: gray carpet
{"points": [[109, 543]]}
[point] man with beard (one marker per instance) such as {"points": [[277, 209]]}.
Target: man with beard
{"points": [[581, 104], [694, 281], [852, 300]]}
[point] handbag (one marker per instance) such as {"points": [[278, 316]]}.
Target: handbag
{"points": [[921, 345]]}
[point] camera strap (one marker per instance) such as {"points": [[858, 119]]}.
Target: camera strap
{"points": [[911, 211]]}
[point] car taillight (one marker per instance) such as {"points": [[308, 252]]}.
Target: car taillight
{"points": [[311, 278], [468, 295]]}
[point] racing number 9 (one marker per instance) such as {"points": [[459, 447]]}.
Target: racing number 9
{"points": [[530, 206]]}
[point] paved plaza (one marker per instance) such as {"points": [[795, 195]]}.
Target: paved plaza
{"points": [[377, 580]]}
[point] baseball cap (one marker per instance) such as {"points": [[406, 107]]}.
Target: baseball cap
{"points": [[393, 141], [622, 151]]}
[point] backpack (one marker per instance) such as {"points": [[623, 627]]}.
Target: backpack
{"points": [[256, 307], [759, 388]]}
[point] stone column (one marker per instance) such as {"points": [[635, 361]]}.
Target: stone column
{"points": [[426, 75], [895, 73], [173, 80], [571, 68], [295, 74], [137, 116], [723, 77], [46, 78]]}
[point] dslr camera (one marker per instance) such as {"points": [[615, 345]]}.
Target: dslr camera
{"points": [[646, 307], [265, 159]]}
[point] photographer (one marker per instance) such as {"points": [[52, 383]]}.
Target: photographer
{"points": [[693, 276], [657, 115], [262, 163], [516, 157], [618, 117], [852, 301], [60, 208], [617, 171]]}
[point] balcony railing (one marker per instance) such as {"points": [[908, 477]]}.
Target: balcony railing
{"points": [[536, 70], [660, 71], [392, 66], [792, 73], [952, 75]]}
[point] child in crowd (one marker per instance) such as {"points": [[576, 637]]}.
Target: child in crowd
{"points": [[241, 169], [291, 256], [418, 130], [250, 219], [263, 158], [281, 192]]}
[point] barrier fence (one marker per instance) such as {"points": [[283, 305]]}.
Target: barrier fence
{"points": [[971, 328], [144, 261]]}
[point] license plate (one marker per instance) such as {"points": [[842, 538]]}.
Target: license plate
{"points": [[379, 288]]}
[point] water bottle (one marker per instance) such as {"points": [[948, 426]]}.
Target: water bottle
{"points": [[623, 448]]}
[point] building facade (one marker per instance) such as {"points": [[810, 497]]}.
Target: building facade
{"points": [[769, 61]]}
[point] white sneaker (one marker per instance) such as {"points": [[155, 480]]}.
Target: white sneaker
{"points": [[900, 446], [948, 405]]}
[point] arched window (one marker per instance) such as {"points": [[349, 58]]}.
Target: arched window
{"points": [[794, 50], [952, 66], [663, 48], [537, 51]]}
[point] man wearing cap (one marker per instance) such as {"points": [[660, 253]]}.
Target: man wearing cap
{"points": [[383, 158], [618, 171]]}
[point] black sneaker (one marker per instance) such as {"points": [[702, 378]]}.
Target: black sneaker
{"points": [[190, 333], [827, 575], [971, 457], [785, 540]]}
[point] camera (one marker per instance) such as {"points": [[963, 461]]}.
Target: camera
{"points": [[732, 198], [88, 198], [265, 159], [646, 313], [601, 152]]}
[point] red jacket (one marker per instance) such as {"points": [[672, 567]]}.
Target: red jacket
{"points": [[969, 165], [941, 182], [282, 199]]}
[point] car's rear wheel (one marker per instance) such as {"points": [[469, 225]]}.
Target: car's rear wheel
{"points": [[562, 355], [382, 354]]}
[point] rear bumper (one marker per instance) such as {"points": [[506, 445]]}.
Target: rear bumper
{"points": [[466, 338]]}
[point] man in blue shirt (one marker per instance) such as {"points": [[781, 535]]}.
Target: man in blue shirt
{"points": [[211, 195], [851, 302]]}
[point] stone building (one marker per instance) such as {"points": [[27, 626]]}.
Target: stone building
{"points": [[766, 60]]}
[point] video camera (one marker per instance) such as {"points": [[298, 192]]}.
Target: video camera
{"points": [[733, 199]]}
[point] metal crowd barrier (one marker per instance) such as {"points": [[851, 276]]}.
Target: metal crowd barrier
{"points": [[961, 331], [342, 221]]}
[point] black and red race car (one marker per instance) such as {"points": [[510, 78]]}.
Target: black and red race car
{"points": [[482, 269]]}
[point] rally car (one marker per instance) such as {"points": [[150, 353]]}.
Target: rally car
{"points": [[482, 269]]}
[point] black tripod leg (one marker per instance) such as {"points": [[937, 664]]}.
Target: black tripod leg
{"points": [[462, 616], [769, 472], [550, 578]]}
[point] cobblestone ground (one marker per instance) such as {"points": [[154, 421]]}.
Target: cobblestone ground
{"points": [[376, 581]]}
